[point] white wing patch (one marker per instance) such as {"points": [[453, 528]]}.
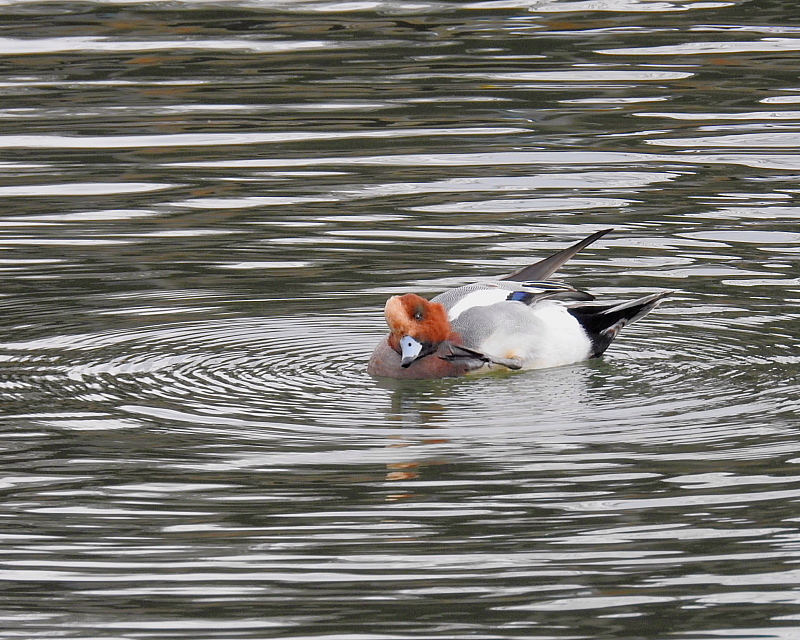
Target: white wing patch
{"points": [[480, 298]]}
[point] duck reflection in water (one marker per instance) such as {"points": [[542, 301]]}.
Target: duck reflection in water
{"points": [[520, 321]]}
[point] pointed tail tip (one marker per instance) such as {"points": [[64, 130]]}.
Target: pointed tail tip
{"points": [[645, 305], [648, 302]]}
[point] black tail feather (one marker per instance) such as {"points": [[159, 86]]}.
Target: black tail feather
{"points": [[603, 323]]}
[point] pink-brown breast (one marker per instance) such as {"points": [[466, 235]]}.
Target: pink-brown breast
{"points": [[385, 362]]}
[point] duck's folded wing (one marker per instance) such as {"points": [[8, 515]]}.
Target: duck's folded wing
{"points": [[483, 294], [537, 291]]}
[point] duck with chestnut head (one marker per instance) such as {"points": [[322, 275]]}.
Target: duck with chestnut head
{"points": [[520, 321]]}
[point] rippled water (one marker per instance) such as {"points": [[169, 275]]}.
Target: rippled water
{"points": [[204, 208]]}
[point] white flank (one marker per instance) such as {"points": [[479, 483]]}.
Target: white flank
{"points": [[563, 339], [552, 337]]}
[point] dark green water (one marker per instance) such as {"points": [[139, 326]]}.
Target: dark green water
{"points": [[206, 205]]}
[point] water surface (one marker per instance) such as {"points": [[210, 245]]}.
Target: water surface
{"points": [[204, 208]]}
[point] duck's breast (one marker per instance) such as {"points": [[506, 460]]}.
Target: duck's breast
{"points": [[385, 362]]}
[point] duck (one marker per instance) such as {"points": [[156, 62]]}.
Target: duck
{"points": [[516, 322]]}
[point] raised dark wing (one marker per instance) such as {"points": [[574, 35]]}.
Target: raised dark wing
{"points": [[547, 267]]}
